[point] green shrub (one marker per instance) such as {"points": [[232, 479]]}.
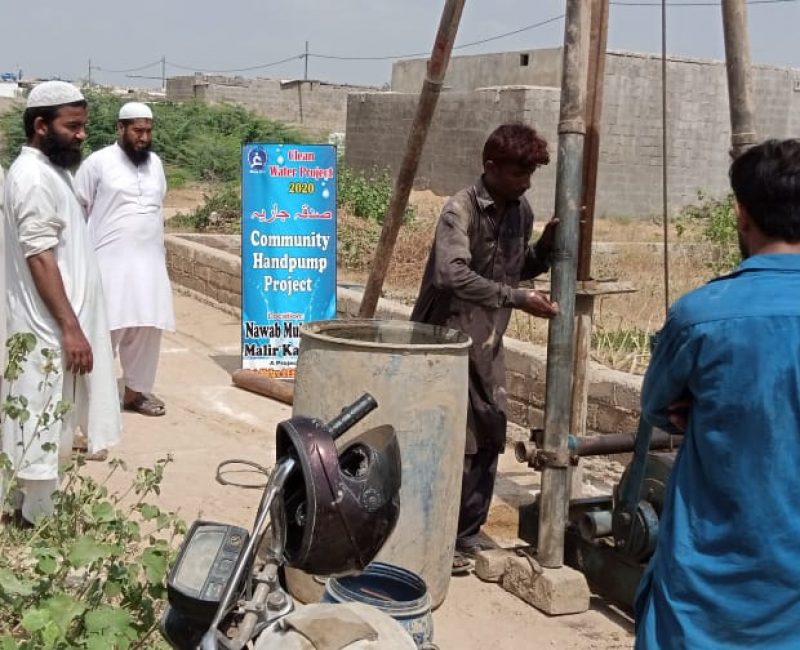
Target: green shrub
{"points": [[92, 574], [717, 221], [367, 194], [221, 211], [204, 141]]}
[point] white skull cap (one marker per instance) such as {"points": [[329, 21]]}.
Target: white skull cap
{"points": [[53, 93], [134, 111]]}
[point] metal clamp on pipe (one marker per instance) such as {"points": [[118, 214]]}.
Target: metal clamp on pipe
{"points": [[538, 459]]}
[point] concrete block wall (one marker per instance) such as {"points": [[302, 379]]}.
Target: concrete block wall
{"points": [[378, 126], [215, 273], [629, 181], [319, 107], [613, 396], [541, 68]]}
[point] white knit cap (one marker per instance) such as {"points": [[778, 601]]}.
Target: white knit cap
{"points": [[53, 93], [134, 111]]}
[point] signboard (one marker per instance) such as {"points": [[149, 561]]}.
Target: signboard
{"points": [[288, 250]]}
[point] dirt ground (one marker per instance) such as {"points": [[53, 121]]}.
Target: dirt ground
{"points": [[208, 421]]}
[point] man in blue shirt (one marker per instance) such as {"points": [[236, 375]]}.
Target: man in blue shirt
{"points": [[726, 367]]}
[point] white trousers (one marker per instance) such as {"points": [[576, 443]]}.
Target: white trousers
{"points": [[138, 349]]}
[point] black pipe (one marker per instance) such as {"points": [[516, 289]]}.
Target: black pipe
{"points": [[620, 443]]}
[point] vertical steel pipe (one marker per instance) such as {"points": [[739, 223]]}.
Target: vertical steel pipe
{"points": [[571, 131]]}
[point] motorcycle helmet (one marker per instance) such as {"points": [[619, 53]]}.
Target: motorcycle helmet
{"points": [[338, 507]]}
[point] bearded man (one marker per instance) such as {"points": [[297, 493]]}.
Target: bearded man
{"points": [[122, 189], [54, 291]]}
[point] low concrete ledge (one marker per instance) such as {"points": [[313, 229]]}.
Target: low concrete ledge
{"points": [[204, 264]]}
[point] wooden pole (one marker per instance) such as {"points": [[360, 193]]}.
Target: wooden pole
{"points": [[431, 88], [584, 303], [276, 389], [740, 79]]}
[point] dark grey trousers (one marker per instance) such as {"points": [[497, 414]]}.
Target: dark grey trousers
{"points": [[477, 487]]}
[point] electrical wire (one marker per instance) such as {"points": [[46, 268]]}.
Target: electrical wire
{"points": [[141, 67], [246, 69], [633, 3], [457, 47]]}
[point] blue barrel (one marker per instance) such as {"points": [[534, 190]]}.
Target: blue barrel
{"points": [[393, 590]]}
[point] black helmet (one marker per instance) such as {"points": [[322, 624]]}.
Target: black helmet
{"points": [[337, 508]]}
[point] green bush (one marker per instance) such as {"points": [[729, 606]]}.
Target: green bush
{"points": [[717, 221], [221, 211], [92, 574], [367, 194], [204, 141]]}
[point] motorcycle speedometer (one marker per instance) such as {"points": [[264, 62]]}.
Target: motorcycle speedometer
{"points": [[205, 564]]}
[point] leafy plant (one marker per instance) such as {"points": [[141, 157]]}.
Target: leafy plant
{"points": [[622, 348], [92, 574], [202, 140], [220, 211], [717, 220], [367, 194]]}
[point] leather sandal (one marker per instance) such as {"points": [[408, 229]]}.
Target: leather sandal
{"points": [[145, 405], [462, 564]]}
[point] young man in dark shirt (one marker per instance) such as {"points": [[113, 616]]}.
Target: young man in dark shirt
{"points": [[480, 253]]}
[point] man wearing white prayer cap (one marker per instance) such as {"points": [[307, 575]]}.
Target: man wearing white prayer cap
{"points": [[53, 290], [122, 189]]}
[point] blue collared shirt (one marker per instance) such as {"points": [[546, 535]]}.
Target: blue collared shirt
{"points": [[726, 571]]}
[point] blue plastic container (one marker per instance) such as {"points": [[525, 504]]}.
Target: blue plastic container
{"points": [[395, 591]]}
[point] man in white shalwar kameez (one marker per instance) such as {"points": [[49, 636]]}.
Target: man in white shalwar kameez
{"points": [[122, 189], [2, 287], [54, 290]]}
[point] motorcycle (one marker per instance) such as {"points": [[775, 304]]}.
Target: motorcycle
{"points": [[328, 511]]}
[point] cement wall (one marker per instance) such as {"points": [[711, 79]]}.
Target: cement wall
{"points": [[214, 273], [629, 181], [378, 125], [319, 107], [523, 68]]}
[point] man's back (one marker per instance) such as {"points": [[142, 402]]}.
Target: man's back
{"points": [[726, 572]]}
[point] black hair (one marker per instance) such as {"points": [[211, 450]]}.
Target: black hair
{"points": [[516, 143], [48, 113], [766, 182]]}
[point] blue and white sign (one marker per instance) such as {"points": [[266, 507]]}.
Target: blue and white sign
{"points": [[288, 250]]}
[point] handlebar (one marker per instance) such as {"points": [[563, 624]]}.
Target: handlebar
{"points": [[352, 415]]}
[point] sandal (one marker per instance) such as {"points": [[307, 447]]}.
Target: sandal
{"points": [[154, 398], [145, 405], [462, 564]]}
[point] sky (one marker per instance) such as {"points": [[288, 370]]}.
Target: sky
{"points": [[53, 38]]}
